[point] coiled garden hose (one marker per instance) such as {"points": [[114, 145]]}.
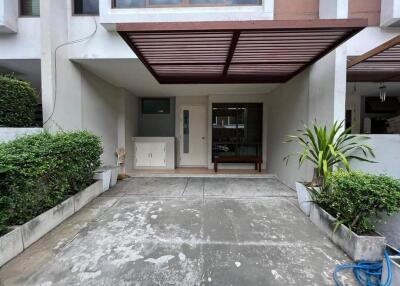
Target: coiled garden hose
{"points": [[367, 273]]}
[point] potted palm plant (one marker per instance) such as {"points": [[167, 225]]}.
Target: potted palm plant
{"points": [[324, 148]]}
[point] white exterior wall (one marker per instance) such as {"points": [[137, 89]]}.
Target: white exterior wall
{"points": [[287, 112], [318, 93], [25, 44], [333, 9], [369, 38], [386, 149], [103, 45], [127, 125], [8, 16], [390, 12], [100, 111]]}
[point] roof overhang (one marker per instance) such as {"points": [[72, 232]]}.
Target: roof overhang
{"points": [[381, 64], [234, 52]]}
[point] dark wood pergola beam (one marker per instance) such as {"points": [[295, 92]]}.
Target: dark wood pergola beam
{"points": [[254, 25], [223, 63], [232, 48], [221, 79], [387, 45]]}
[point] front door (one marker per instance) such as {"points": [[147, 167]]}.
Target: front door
{"points": [[193, 133]]}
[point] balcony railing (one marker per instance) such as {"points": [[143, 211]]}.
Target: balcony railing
{"points": [[180, 3]]}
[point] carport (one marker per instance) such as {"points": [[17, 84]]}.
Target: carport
{"points": [[234, 52]]}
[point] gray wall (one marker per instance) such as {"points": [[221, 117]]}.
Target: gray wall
{"points": [[157, 125]]}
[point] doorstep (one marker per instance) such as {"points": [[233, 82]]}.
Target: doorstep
{"points": [[201, 173]]}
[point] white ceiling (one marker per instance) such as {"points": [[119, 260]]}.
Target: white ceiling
{"points": [[132, 75], [26, 69]]}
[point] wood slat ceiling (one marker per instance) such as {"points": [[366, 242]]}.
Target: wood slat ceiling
{"points": [[234, 52], [381, 64]]}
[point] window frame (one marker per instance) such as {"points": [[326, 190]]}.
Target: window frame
{"points": [[20, 15], [184, 4], [84, 15]]}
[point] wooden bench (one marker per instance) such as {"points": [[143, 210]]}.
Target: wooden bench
{"points": [[238, 159]]}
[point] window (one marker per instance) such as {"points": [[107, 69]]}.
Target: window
{"points": [[186, 131], [155, 3], [155, 106], [30, 8], [86, 7]]}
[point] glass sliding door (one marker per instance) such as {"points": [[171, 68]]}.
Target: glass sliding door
{"points": [[236, 129]]}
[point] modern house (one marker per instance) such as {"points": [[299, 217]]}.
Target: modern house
{"points": [[179, 83]]}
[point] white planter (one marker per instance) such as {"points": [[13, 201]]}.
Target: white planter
{"points": [[358, 247], [14, 242], [105, 177], [304, 198], [114, 175]]}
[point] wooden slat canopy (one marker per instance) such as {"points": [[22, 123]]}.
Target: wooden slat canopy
{"points": [[381, 64], [234, 52]]}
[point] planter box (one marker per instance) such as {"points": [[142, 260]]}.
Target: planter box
{"points": [[87, 195], [14, 242], [10, 245], [105, 177], [34, 229], [304, 198], [358, 247]]}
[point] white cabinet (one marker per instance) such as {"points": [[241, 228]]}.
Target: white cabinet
{"points": [[150, 154]]}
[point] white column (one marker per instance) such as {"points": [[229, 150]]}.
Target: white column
{"points": [[333, 9]]}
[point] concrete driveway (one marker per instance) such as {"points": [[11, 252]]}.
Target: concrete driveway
{"points": [[183, 231]]}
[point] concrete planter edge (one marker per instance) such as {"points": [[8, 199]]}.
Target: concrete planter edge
{"points": [[105, 177], [395, 268], [17, 240], [304, 198], [10, 245], [358, 247]]}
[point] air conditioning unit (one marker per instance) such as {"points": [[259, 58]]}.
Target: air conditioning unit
{"points": [[390, 13]]}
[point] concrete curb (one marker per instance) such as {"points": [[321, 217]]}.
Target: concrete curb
{"points": [[395, 268], [358, 247], [16, 241], [10, 245]]}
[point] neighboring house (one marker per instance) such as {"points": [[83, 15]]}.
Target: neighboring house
{"points": [[209, 77]]}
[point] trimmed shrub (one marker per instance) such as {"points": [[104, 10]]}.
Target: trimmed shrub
{"points": [[37, 172], [17, 102], [357, 199]]}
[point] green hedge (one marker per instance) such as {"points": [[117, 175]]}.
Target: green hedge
{"points": [[357, 199], [17, 102], [39, 171]]}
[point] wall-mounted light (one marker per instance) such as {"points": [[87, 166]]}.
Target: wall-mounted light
{"points": [[382, 92]]}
